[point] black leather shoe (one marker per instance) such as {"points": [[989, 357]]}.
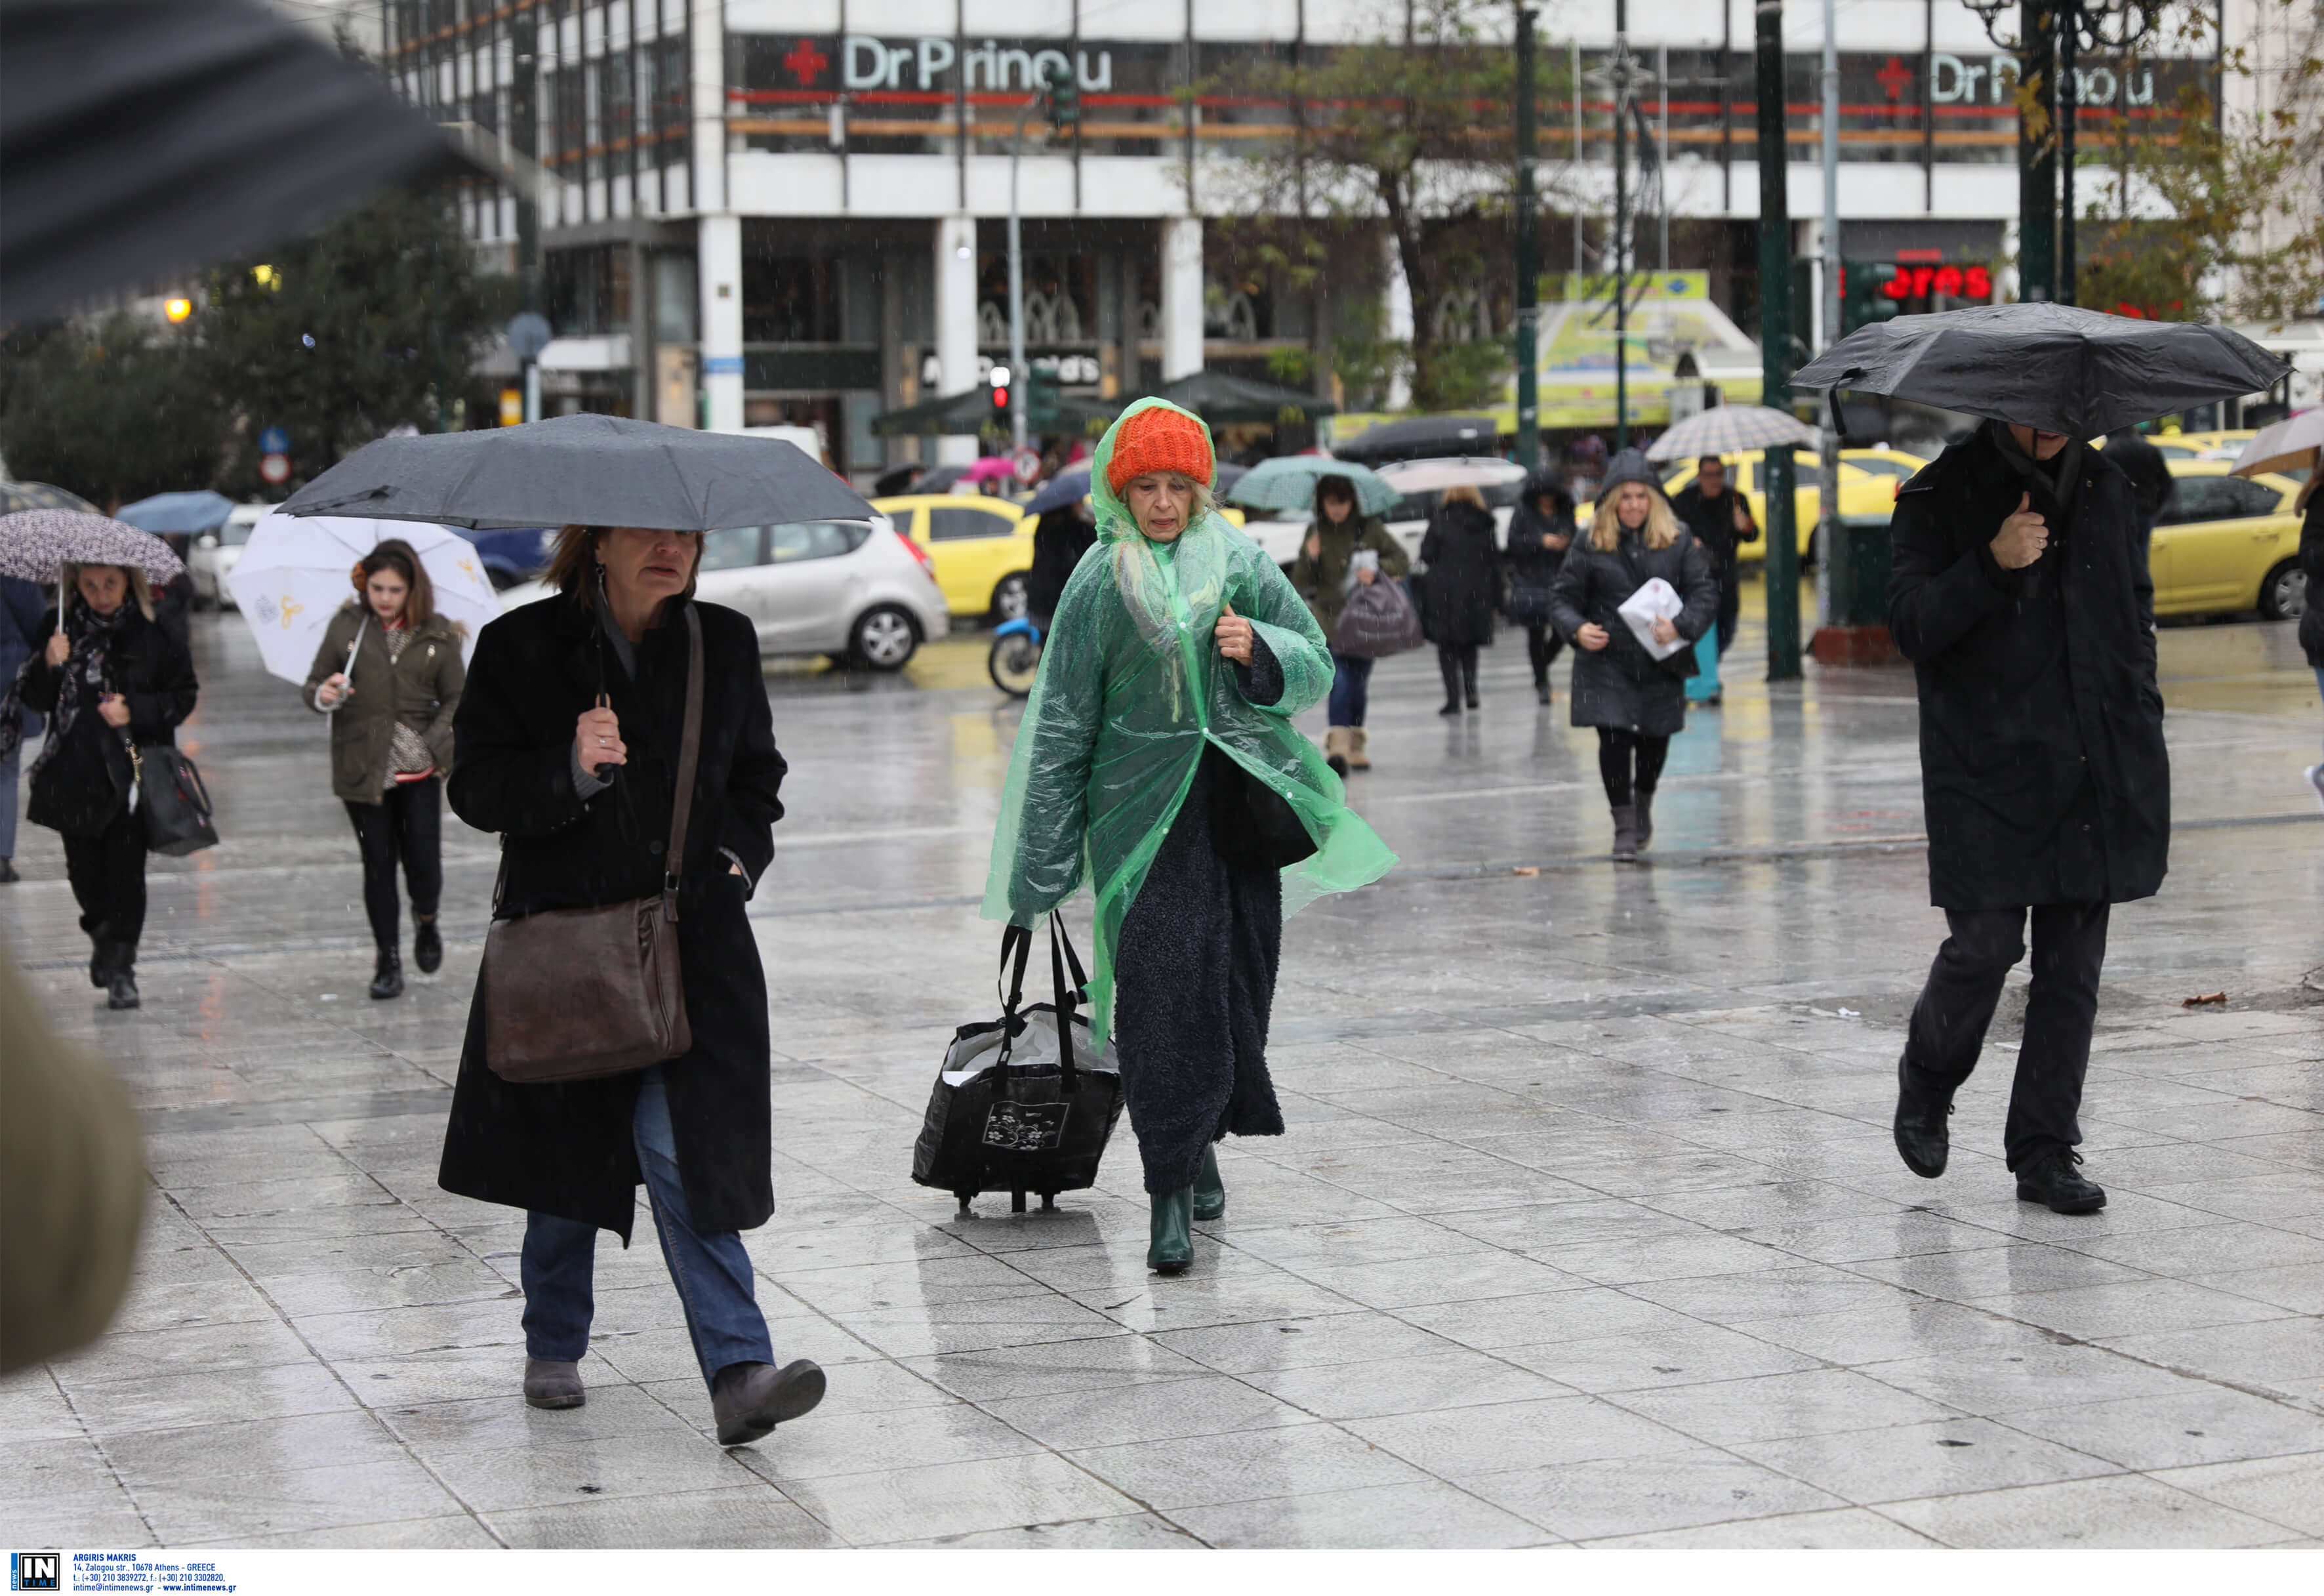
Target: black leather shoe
{"points": [[1922, 1136], [387, 980], [8, 871], [749, 1399], [121, 990], [428, 948], [2049, 1179]]}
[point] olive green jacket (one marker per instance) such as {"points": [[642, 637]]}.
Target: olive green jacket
{"points": [[421, 689], [1322, 581]]}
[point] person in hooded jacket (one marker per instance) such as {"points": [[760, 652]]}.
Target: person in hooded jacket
{"points": [[2311, 619], [111, 682], [1636, 702], [1323, 576], [1458, 604], [567, 742], [1541, 531], [2021, 596], [392, 743], [2151, 482]]}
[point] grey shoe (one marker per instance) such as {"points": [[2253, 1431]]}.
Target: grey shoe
{"points": [[550, 1384], [1644, 806], [749, 1400], [1626, 834]]}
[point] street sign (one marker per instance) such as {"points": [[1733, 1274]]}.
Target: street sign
{"points": [[274, 440], [274, 468], [528, 334]]}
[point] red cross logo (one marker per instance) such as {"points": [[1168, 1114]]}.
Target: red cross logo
{"points": [[1896, 78], [806, 63]]}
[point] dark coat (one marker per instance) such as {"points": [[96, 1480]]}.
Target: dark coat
{"points": [[2128, 452], [85, 788], [1712, 522], [565, 1149], [21, 605], [2042, 770], [1463, 591], [1621, 685], [1060, 538], [2312, 560], [421, 689], [1322, 581]]}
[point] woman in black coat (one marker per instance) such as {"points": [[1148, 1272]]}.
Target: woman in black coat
{"points": [[109, 678], [1458, 601], [582, 797], [1540, 531], [1636, 702]]}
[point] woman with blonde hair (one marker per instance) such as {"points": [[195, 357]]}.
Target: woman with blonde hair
{"points": [[389, 674], [1636, 702]]}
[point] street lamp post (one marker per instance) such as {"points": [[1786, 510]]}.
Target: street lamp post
{"points": [[1783, 560], [1528, 445]]}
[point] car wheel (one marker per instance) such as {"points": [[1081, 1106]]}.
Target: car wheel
{"points": [[884, 638], [1011, 598], [2283, 593]]}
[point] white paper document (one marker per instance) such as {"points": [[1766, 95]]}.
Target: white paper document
{"points": [[1656, 601]]}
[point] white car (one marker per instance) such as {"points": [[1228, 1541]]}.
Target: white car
{"points": [[855, 588], [1422, 484], [214, 554]]}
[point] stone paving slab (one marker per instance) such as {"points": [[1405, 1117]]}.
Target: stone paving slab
{"points": [[1587, 1228]]}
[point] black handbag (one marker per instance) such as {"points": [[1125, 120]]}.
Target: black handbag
{"points": [[1527, 603], [1251, 823], [1025, 1103], [177, 805]]}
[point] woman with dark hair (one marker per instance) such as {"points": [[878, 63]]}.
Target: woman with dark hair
{"points": [[1540, 531], [1636, 702], [392, 743], [1325, 573], [567, 742], [112, 682], [1463, 591]]}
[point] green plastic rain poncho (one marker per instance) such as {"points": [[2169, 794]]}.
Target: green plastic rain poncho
{"points": [[1130, 687]]}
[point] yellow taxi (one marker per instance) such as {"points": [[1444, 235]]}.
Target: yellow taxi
{"points": [[1898, 464], [982, 548], [2226, 543], [1861, 492]]}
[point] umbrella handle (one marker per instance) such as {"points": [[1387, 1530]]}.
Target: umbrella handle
{"points": [[606, 773]]}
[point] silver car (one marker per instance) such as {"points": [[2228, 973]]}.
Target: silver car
{"points": [[853, 589], [212, 557]]}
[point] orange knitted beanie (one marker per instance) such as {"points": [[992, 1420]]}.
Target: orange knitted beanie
{"points": [[1159, 440]]}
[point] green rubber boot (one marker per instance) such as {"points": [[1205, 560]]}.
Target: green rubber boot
{"points": [[1172, 1247], [1209, 1191]]}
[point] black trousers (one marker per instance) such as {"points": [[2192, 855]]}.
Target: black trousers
{"points": [[1949, 1022], [108, 872], [407, 824], [1458, 661], [1621, 753], [1543, 646]]}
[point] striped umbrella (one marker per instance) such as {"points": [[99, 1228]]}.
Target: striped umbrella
{"points": [[35, 542], [1732, 429]]}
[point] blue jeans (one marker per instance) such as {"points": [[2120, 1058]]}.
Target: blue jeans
{"points": [[8, 804], [712, 1273], [1351, 680]]}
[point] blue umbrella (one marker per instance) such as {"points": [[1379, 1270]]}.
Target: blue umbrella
{"points": [[1289, 482], [1065, 488], [198, 512]]}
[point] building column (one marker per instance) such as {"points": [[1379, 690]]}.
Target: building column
{"points": [[1182, 297], [956, 325], [720, 252]]}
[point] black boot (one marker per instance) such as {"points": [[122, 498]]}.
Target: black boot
{"points": [[1469, 679], [1922, 1137], [8, 871], [1541, 686], [100, 959], [1450, 669], [1626, 834], [427, 947], [1171, 1247], [2049, 1178], [1643, 800], [121, 978], [1209, 1194], [387, 980]]}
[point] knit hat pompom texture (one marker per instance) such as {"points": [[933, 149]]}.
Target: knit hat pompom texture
{"points": [[1160, 440]]}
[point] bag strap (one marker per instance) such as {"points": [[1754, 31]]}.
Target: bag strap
{"points": [[1068, 1000], [689, 758], [1018, 940]]}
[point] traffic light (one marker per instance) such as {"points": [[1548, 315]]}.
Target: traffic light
{"points": [[998, 379], [1061, 97], [1041, 398], [1865, 295]]}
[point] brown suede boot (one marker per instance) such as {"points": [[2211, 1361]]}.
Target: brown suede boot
{"points": [[1335, 750], [1358, 760]]}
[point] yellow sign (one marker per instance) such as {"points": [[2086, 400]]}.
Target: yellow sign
{"points": [[1671, 313], [512, 407]]}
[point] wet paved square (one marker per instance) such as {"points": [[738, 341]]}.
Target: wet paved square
{"points": [[1588, 1227]]}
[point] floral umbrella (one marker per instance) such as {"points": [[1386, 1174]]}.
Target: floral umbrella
{"points": [[35, 542]]}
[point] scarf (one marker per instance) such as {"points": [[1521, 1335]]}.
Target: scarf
{"points": [[81, 680], [2061, 473]]}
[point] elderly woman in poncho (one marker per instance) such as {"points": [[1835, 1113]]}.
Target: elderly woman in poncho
{"points": [[1159, 725]]}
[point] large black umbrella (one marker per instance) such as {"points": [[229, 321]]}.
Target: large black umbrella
{"points": [[2057, 368], [139, 137], [594, 470], [1225, 400], [1421, 438]]}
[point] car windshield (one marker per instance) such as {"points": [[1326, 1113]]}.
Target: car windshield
{"points": [[233, 534]]}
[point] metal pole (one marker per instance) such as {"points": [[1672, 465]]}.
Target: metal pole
{"points": [[524, 117], [2070, 101], [2037, 160], [1828, 494], [1783, 566], [1621, 76], [1528, 443], [1018, 376]]}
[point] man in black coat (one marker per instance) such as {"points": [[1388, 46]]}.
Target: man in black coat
{"points": [[1720, 520], [2021, 596], [2128, 452]]}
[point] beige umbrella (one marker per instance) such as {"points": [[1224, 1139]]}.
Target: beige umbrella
{"points": [[2287, 446]]}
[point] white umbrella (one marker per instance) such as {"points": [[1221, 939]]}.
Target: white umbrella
{"points": [[295, 571], [2286, 445], [1732, 429]]}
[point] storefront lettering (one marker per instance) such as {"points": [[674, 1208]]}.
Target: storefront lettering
{"points": [[926, 64], [1954, 82]]}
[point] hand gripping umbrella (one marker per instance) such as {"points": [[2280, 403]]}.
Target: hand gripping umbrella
{"points": [[2056, 368], [295, 573], [587, 470]]}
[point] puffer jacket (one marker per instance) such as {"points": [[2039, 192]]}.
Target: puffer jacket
{"points": [[421, 689]]}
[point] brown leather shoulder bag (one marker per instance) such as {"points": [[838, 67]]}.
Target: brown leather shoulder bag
{"points": [[571, 994]]}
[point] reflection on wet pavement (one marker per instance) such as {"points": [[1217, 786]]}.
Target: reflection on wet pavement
{"points": [[1588, 1226]]}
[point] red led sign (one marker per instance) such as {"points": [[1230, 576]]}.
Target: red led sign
{"points": [[1918, 282]]}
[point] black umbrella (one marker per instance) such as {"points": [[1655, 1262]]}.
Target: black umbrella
{"points": [[1225, 400], [139, 137], [595, 470], [2057, 368], [1421, 438]]}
